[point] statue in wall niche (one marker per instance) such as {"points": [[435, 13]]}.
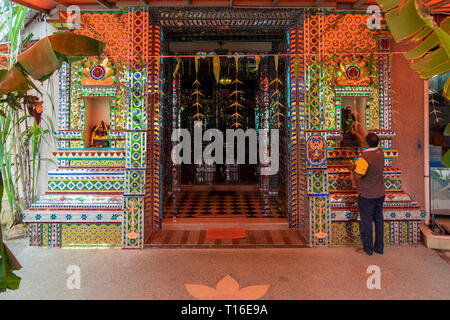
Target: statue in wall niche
{"points": [[351, 137], [99, 137]]}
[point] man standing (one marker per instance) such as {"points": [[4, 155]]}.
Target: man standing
{"points": [[368, 178]]}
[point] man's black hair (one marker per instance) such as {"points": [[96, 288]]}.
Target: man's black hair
{"points": [[372, 140]]}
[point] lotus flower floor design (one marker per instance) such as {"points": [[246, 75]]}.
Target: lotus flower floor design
{"points": [[227, 289]]}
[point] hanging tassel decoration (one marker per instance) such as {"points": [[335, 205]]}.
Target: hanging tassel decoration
{"points": [[257, 60], [196, 65], [236, 115], [276, 63], [216, 68], [197, 92], [177, 68], [277, 104]]}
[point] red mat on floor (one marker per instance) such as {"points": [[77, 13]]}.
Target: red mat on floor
{"points": [[225, 233]]}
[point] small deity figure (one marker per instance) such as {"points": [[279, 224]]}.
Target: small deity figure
{"points": [[351, 137], [99, 137]]}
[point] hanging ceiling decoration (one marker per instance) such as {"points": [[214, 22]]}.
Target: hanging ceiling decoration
{"points": [[216, 68], [236, 115], [197, 92], [277, 104]]}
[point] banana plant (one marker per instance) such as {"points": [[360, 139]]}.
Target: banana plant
{"points": [[45, 57], [8, 262], [446, 157], [411, 20], [38, 62]]}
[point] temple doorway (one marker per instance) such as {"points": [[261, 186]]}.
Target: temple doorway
{"points": [[236, 80]]}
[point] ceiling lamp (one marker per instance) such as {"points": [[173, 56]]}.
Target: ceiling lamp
{"points": [[225, 81]]}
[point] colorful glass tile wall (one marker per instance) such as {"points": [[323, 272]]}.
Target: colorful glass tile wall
{"points": [[134, 41], [91, 235], [153, 195], [316, 143], [395, 233], [136, 125], [298, 212]]}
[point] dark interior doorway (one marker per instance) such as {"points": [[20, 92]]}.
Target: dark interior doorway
{"points": [[191, 190]]}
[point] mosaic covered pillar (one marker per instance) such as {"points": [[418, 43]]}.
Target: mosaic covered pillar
{"points": [[298, 204], [385, 108], [264, 118], [153, 173], [316, 136], [176, 108], [45, 235], [143, 66]]}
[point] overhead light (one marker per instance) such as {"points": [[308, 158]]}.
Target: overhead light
{"points": [[225, 81]]}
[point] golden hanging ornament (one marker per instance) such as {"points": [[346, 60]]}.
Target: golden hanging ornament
{"points": [[236, 115], [197, 93], [216, 68], [277, 104], [257, 60], [177, 68]]}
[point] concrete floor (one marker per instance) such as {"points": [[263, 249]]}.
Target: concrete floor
{"points": [[304, 273]]}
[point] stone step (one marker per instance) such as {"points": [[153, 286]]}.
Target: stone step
{"points": [[75, 208], [90, 158], [226, 222], [78, 202], [220, 187], [86, 180], [388, 214]]}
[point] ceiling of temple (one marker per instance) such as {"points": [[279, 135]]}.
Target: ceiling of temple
{"points": [[437, 6]]}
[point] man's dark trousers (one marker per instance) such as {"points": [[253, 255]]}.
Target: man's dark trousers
{"points": [[371, 210]]}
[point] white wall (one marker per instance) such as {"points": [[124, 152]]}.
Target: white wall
{"points": [[48, 88]]}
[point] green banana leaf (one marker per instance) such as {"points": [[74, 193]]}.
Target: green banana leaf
{"points": [[8, 280], [40, 60], [447, 130], [14, 80], [446, 159], [413, 22], [45, 57]]}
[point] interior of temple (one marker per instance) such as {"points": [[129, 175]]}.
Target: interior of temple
{"points": [[234, 94]]}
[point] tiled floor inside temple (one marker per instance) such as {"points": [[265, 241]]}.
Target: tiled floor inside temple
{"points": [[220, 203]]}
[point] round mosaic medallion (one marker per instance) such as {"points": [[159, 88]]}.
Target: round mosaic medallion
{"points": [[353, 73], [97, 72]]}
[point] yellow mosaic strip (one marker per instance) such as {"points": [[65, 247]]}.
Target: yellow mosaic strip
{"points": [[91, 235], [347, 233]]}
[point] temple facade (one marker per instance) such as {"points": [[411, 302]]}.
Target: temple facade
{"points": [[318, 77]]}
